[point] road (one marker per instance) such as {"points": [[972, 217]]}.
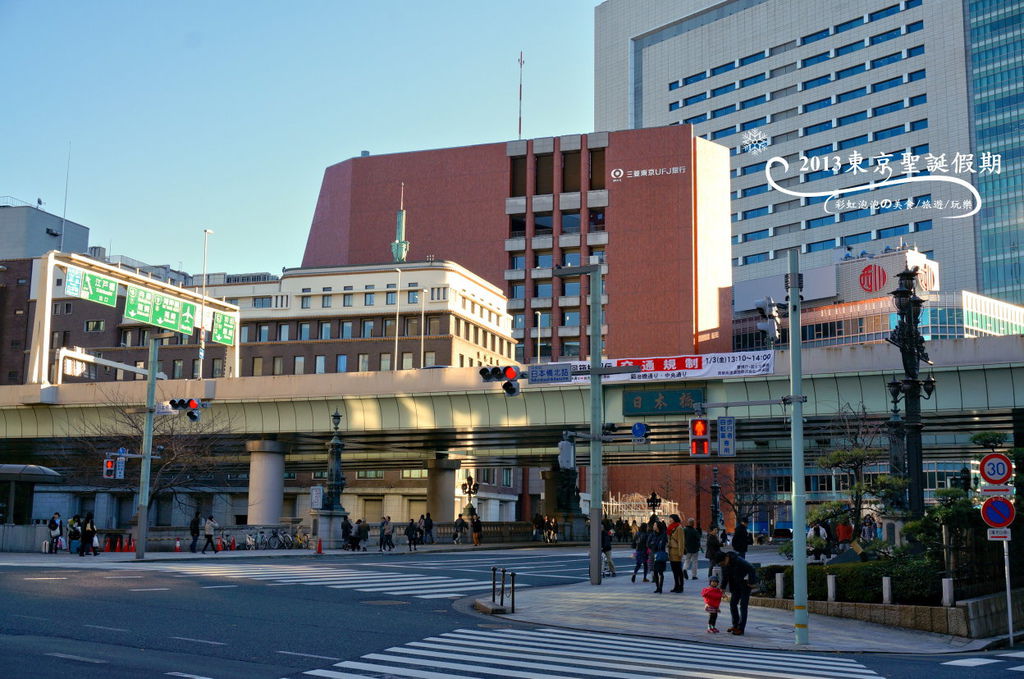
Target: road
{"points": [[367, 616]]}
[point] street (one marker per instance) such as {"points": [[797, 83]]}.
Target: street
{"points": [[366, 615]]}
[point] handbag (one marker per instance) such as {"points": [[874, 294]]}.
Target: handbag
{"points": [[95, 541], [660, 556]]}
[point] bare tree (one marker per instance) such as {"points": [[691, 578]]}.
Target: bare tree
{"points": [[739, 493]]}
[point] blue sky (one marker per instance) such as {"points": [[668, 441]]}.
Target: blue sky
{"points": [[183, 115]]}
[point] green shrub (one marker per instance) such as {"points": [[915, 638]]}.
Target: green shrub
{"points": [[914, 581]]}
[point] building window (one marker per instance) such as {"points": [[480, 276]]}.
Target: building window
{"points": [[325, 330], [752, 80], [516, 226], [814, 37], [889, 132], [95, 326], [363, 361], [385, 362], [543, 260], [257, 366], [542, 290], [815, 59], [847, 25], [571, 287], [855, 238], [756, 212], [506, 477], [414, 473], [820, 221], [391, 298], [571, 221], [821, 245], [369, 474], [368, 298], [341, 363], [304, 301], [517, 291], [817, 82], [886, 60], [346, 299], [852, 118], [882, 13], [407, 360], [325, 301], [278, 365], [319, 365], [300, 365], [366, 328], [543, 223], [218, 367], [724, 111], [177, 369], [696, 77], [262, 302], [283, 331], [852, 94]]}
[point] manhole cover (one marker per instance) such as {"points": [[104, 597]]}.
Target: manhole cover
{"points": [[385, 602]]}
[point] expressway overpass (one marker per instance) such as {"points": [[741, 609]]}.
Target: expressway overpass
{"points": [[403, 419]]}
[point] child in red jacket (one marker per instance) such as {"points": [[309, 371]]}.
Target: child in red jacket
{"points": [[712, 601]]}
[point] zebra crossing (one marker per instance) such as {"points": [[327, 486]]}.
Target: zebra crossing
{"points": [[550, 653], [420, 586], [993, 662]]}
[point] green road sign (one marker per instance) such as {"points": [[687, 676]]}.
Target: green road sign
{"points": [[91, 286], [170, 313], [223, 329], [661, 401]]}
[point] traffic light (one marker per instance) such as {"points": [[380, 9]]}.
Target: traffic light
{"points": [[700, 436], [769, 311], [109, 468], [567, 453], [191, 406], [508, 373]]}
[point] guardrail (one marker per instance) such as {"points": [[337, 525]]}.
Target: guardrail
{"points": [[500, 598]]}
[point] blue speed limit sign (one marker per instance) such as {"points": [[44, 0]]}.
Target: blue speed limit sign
{"points": [[996, 468]]}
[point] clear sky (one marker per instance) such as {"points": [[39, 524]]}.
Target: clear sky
{"points": [[183, 115]]}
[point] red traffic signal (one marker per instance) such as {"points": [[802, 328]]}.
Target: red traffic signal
{"points": [[509, 373], [191, 406], [109, 468], [700, 436]]}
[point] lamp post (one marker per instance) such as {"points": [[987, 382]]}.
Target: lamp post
{"points": [[142, 528], [335, 476], [202, 309], [716, 492], [907, 337], [470, 488], [653, 502]]}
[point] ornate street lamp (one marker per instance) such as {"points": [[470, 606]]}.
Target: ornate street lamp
{"points": [[335, 477], [469, 489], [716, 492], [654, 502]]}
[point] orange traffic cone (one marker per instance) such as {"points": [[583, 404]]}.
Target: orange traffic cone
{"points": [[177, 544], [120, 544], [131, 544], [319, 546], [220, 544], [232, 543], [106, 544]]}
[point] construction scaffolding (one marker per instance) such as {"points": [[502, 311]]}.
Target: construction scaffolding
{"points": [[633, 506]]}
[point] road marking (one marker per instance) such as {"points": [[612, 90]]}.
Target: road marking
{"points": [[112, 629], [309, 655], [121, 577], [201, 641], [217, 586], [44, 578], [150, 589], [182, 674], [972, 662], [1018, 654], [79, 658]]}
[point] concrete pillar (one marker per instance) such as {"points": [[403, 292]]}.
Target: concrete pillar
{"points": [[947, 592], [780, 585], [550, 477], [266, 482], [441, 489], [886, 590], [831, 581], [104, 511]]}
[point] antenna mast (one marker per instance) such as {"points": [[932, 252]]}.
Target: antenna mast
{"points": [[521, 62]]}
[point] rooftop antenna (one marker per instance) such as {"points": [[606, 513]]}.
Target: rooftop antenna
{"points": [[400, 247], [63, 217], [521, 62]]}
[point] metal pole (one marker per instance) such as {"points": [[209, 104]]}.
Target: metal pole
{"points": [[1009, 598], [596, 421], [800, 617], [142, 529], [398, 305], [423, 323], [202, 310], [536, 344]]}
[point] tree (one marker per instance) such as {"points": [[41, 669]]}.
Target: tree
{"points": [[184, 459], [989, 439], [738, 492]]}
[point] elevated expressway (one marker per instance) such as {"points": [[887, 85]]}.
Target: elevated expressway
{"points": [[403, 419]]}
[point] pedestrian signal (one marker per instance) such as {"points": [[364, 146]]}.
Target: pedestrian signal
{"points": [[109, 468], [700, 436]]}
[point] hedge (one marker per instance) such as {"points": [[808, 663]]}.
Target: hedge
{"points": [[914, 581]]}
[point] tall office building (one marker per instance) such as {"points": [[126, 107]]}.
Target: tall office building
{"points": [[847, 93]]}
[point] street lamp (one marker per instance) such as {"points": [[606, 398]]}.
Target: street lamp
{"points": [[653, 502], [716, 492], [469, 489], [202, 309], [335, 477], [907, 337]]}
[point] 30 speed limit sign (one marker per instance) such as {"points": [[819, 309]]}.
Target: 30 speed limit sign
{"points": [[996, 468]]}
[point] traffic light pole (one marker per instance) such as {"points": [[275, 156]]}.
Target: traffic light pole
{"points": [[142, 528], [799, 498]]}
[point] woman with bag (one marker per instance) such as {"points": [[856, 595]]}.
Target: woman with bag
{"points": [[74, 533], [88, 537], [657, 543]]}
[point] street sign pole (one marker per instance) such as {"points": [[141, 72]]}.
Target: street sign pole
{"points": [[142, 529], [799, 498], [1009, 598]]}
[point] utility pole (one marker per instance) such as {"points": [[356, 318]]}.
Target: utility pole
{"points": [[794, 283], [142, 528]]}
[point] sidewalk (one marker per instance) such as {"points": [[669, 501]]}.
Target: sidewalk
{"points": [[622, 607]]}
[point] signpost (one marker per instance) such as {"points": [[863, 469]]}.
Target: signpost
{"points": [[154, 308], [727, 436], [999, 512], [996, 469], [223, 329], [640, 431], [91, 286]]}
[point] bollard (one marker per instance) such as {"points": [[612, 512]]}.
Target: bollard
{"points": [[886, 590], [513, 591], [502, 586], [780, 585], [494, 580], [831, 580], [947, 592]]}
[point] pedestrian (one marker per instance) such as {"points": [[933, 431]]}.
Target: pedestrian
{"points": [[74, 533], [428, 530], [738, 576], [538, 527], [844, 535], [712, 595], [193, 529], [208, 528], [741, 539], [382, 541], [691, 548], [675, 553], [711, 548], [411, 531], [389, 534], [657, 544], [353, 538], [346, 532], [364, 533], [460, 531], [640, 551], [88, 537], [56, 527], [606, 549], [478, 529]]}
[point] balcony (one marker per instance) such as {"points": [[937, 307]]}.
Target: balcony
{"points": [[569, 240], [538, 303], [515, 244], [595, 238], [540, 272], [515, 275], [545, 242], [566, 301]]}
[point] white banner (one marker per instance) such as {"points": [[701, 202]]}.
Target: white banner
{"points": [[697, 367]]}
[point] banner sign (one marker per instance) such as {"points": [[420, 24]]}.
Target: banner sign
{"points": [[700, 367], [661, 401], [146, 306], [91, 286]]}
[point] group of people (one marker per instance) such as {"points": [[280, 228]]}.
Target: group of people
{"points": [[78, 536], [209, 527], [355, 536], [545, 528], [658, 545]]}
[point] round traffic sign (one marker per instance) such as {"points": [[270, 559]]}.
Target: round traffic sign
{"points": [[998, 512], [996, 468], [640, 430]]}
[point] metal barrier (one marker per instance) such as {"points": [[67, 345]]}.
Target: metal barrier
{"points": [[499, 597]]}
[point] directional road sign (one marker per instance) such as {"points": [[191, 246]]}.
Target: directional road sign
{"points": [[119, 467], [998, 512], [223, 329], [640, 431], [145, 306], [91, 286], [996, 468], [550, 373]]}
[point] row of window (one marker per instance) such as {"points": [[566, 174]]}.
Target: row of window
{"points": [[366, 327], [839, 241], [544, 172], [543, 223], [785, 47]]}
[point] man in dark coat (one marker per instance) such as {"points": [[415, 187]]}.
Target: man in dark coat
{"points": [[738, 576], [741, 539], [193, 529]]}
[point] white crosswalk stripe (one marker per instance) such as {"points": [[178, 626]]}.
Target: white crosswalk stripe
{"points": [[558, 653], [402, 583], [990, 663]]}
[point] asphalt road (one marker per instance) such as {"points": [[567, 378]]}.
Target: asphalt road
{"points": [[370, 616]]}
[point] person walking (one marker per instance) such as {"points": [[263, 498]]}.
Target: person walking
{"points": [[657, 544], [606, 549], [712, 595], [460, 531], [382, 541], [675, 553], [56, 527], [428, 530], [346, 533], [741, 539], [712, 547], [389, 534], [691, 548], [193, 529], [477, 527], [364, 534], [640, 551], [208, 529], [411, 531], [738, 576], [74, 533], [88, 535]]}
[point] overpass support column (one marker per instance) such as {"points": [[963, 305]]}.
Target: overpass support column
{"points": [[441, 488], [551, 480], [266, 482]]}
